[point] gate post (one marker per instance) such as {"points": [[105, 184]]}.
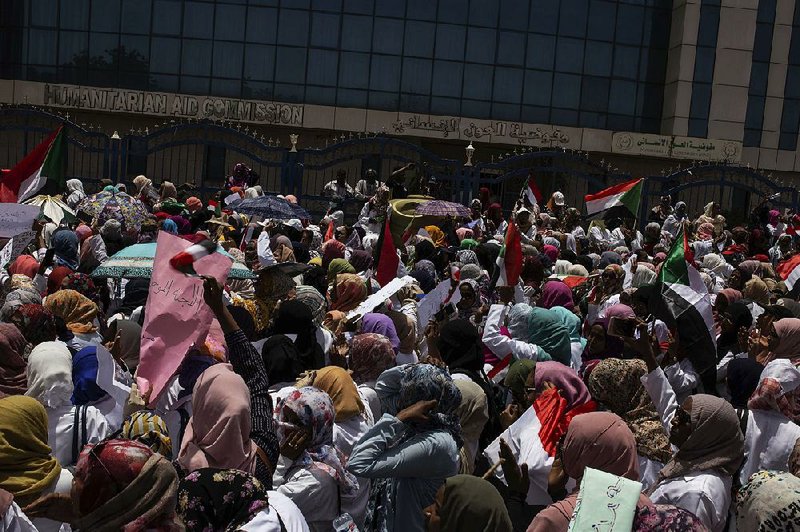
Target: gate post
{"points": [[113, 153]]}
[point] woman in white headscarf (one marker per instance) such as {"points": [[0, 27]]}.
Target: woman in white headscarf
{"points": [[50, 383], [76, 193]]}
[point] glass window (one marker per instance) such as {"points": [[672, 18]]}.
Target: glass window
{"points": [[166, 17], [41, 47], [354, 70], [105, 15], [477, 81], [194, 85], [232, 88], [514, 14], [709, 25], [788, 141], [262, 25], [388, 37], [257, 89], [320, 95], [295, 4], [325, 30], [620, 123], [385, 73], [453, 11], [289, 93], [476, 108], [421, 10], [594, 94], [363, 7], [626, 62], [134, 54], [414, 103], [102, 45], [541, 51], [290, 65], [564, 117], [598, 59], [384, 100], [198, 20], [416, 75], [569, 55], [704, 65], [760, 75], [445, 106], [791, 116], [450, 42], [602, 16], [72, 45], [44, 13], [762, 46], [572, 18], [481, 45], [259, 62], [752, 137], [447, 78], [543, 17], [595, 120], [228, 22], [168, 58], [486, 15], [228, 60], [653, 66], [419, 39], [650, 101], [566, 91], [323, 67], [535, 115], [699, 107], [351, 98], [164, 82], [505, 111], [390, 8], [196, 58], [326, 5], [293, 27], [74, 15], [356, 33], [622, 97], [136, 16], [630, 20], [755, 112], [766, 11], [538, 87], [511, 48], [507, 85]]}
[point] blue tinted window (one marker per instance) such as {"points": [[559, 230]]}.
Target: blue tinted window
{"points": [[354, 70], [505, 111], [541, 51], [385, 73], [258, 89], [626, 62], [163, 82], [598, 59], [196, 57], [452, 12], [45, 13], [698, 111], [653, 64], [445, 106], [709, 25], [296, 4], [486, 15], [363, 7], [766, 11], [450, 42], [166, 17], [416, 76], [259, 62], [620, 123], [543, 17], [481, 45], [421, 10], [602, 15], [535, 114], [390, 8], [414, 103], [622, 97], [419, 38], [136, 14], [572, 19], [105, 15], [511, 48], [228, 60], [71, 44], [566, 91], [704, 65], [538, 85], [323, 67], [388, 36], [564, 117], [507, 85], [759, 77], [102, 45], [650, 101], [477, 81], [290, 65], [228, 22], [384, 100], [168, 58], [447, 78], [762, 45], [262, 25], [356, 33], [514, 14], [476, 108], [75, 15], [595, 120], [135, 52], [755, 113], [630, 20], [320, 95], [231, 88], [42, 47], [194, 85], [325, 30], [198, 20], [327, 5], [293, 27], [288, 92], [594, 94], [569, 55]]}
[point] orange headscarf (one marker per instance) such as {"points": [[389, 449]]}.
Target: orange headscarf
{"points": [[77, 310]]}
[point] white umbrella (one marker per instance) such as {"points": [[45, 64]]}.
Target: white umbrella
{"points": [[52, 207]]}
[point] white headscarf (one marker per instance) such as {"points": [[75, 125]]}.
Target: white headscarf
{"points": [[50, 374]]}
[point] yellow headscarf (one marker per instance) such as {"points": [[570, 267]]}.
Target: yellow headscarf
{"points": [[26, 466], [436, 235], [77, 310], [338, 384]]}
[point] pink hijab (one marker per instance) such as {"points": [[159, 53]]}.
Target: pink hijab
{"points": [[620, 310], [788, 330], [730, 294], [556, 294], [218, 433], [551, 252]]}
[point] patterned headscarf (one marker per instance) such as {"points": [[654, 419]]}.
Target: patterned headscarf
{"points": [[778, 390], [77, 310], [310, 296], [148, 428], [370, 355], [36, 323], [424, 382], [220, 499], [314, 409], [350, 290], [80, 282], [769, 501], [617, 384], [17, 298], [12, 363]]}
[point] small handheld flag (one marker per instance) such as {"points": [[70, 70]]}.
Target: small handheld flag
{"points": [[184, 261]]}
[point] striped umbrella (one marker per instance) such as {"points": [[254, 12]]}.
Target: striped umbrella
{"points": [[136, 261], [443, 208]]}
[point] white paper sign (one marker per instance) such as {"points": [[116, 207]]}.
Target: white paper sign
{"points": [[432, 303], [16, 218], [5, 253], [111, 378], [391, 288]]}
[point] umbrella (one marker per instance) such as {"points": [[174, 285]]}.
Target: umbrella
{"points": [[52, 207], [137, 261], [443, 208], [267, 207], [110, 204]]}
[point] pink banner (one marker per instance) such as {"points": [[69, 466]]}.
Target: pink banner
{"points": [[176, 317]]}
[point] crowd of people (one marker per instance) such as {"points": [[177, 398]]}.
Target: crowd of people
{"points": [[455, 404]]}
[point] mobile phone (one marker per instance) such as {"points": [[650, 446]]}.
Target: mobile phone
{"points": [[621, 327]]}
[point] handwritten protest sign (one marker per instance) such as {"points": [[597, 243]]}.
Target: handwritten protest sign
{"points": [[5, 253], [176, 317], [606, 502], [433, 302], [16, 218], [369, 304]]}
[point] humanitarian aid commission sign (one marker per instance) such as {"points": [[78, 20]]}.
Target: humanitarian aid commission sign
{"points": [[172, 105]]}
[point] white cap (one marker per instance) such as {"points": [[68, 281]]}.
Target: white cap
{"points": [[558, 198]]}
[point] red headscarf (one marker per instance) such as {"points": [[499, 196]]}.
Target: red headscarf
{"points": [[56, 277], [25, 265]]}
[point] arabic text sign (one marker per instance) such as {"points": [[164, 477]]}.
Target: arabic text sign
{"points": [[678, 147], [605, 502], [176, 317], [16, 218]]}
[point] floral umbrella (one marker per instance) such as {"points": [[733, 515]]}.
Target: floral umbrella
{"points": [[109, 204]]}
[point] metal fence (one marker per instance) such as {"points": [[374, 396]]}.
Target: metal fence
{"points": [[202, 153]]}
